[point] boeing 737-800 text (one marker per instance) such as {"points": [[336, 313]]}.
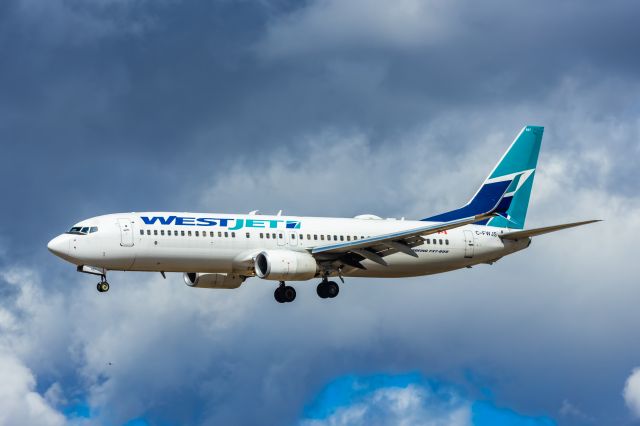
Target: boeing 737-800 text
{"points": [[223, 250]]}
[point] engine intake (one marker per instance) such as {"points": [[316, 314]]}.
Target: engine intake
{"points": [[200, 280], [283, 265]]}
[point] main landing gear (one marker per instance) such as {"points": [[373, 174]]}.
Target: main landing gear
{"points": [[284, 293], [327, 289]]}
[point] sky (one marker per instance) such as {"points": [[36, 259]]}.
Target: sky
{"points": [[320, 107]]}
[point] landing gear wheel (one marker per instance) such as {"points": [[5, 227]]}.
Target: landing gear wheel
{"points": [[103, 286], [322, 290], [278, 295], [289, 293], [332, 289]]}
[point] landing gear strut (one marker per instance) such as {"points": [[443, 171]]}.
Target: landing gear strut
{"points": [[327, 289], [284, 293]]}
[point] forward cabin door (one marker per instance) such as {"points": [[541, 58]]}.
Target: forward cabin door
{"points": [[282, 238], [469, 244], [293, 238], [126, 232]]}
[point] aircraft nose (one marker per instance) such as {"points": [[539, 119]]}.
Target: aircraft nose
{"points": [[59, 246]]}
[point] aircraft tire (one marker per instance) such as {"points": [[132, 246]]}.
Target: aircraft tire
{"points": [[289, 294], [104, 286], [278, 295], [322, 290], [332, 289]]}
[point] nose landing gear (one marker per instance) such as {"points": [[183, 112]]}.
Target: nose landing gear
{"points": [[284, 293], [103, 285]]}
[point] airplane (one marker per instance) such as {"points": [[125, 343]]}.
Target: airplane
{"points": [[220, 251]]}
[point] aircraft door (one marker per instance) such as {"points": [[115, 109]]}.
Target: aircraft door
{"points": [[469, 244], [282, 238], [293, 238], [126, 232]]}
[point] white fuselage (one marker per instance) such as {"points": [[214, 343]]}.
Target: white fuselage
{"points": [[223, 243]]}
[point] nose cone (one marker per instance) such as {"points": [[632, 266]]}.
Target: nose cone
{"points": [[59, 246]]}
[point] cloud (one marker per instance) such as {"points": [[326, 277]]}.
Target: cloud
{"points": [[404, 400], [328, 25], [77, 23], [19, 402], [631, 392]]}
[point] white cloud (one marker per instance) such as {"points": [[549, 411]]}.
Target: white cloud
{"points": [[335, 24], [401, 406], [631, 392], [20, 404]]}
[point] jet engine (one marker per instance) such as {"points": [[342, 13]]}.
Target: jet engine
{"points": [[284, 265], [200, 280]]}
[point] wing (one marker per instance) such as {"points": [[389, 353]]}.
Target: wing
{"points": [[377, 247], [539, 231]]}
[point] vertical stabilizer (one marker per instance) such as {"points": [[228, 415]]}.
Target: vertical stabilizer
{"points": [[517, 165]]}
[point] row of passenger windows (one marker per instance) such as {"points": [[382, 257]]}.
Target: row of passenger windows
{"points": [[267, 235], [434, 241], [170, 232]]}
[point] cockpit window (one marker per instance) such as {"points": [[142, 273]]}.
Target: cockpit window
{"points": [[83, 230]]}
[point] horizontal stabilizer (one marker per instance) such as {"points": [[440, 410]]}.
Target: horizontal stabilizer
{"points": [[539, 231]]}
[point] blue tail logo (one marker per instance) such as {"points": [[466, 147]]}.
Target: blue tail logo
{"points": [[517, 169]]}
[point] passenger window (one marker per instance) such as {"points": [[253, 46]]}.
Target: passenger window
{"points": [[446, 242], [293, 236], [226, 235], [328, 237], [155, 232], [348, 237], [335, 238], [211, 234], [262, 235], [148, 231], [142, 232], [341, 237], [308, 236], [440, 242], [280, 236], [197, 233], [428, 241], [302, 236], [233, 235], [361, 237], [182, 233], [248, 236], [322, 237], [315, 237], [268, 236], [189, 233]]}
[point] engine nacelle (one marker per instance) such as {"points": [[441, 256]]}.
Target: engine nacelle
{"points": [[284, 265], [199, 280]]}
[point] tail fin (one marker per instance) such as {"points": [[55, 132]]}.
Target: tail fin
{"points": [[517, 165]]}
